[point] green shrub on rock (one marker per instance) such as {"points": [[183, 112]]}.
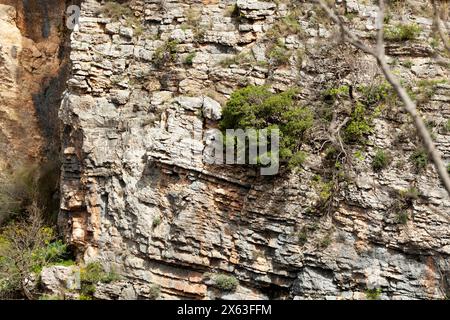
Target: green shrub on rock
{"points": [[255, 107], [225, 282]]}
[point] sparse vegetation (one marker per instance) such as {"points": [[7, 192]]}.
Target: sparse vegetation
{"points": [[373, 294], [402, 32], [278, 54], [189, 60], [165, 54], [92, 274], [402, 217], [156, 221], [381, 160], [419, 159]]}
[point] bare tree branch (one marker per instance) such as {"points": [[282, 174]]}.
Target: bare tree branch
{"points": [[379, 54]]}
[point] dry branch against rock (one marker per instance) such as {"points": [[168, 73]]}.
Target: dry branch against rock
{"points": [[378, 52]]}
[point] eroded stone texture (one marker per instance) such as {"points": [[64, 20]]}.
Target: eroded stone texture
{"points": [[137, 195]]}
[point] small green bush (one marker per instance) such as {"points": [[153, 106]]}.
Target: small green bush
{"points": [[165, 54], [381, 160], [92, 274], [190, 59], [284, 27], [156, 221], [325, 242], [419, 159], [402, 32], [257, 108], [359, 125], [373, 294], [225, 282], [402, 217]]}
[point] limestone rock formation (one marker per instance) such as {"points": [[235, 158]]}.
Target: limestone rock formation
{"points": [[148, 79]]}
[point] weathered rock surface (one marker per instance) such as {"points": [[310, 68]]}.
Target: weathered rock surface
{"points": [[137, 195]]}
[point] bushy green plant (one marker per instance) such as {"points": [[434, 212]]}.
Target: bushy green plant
{"points": [[447, 126], [427, 89], [419, 159], [359, 125], [333, 94], [92, 274], [402, 217], [243, 58], [409, 194], [402, 32], [225, 282], [374, 95], [190, 59], [256, 107], [381, 160], [26, 245], [156, 221], [165, 54], [373, 294]]}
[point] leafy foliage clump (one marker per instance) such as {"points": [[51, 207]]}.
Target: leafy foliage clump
{"points": [[165, 54], [402, 32], [255, 107], [419, 159], [26, 246], [92, 274], [225, 282], [381, 160], [373, 294], [360, 124]]}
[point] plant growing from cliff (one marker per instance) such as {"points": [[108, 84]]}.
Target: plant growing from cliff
{"points": [[359, 125], [243, 58], [115, 10], [426, 89], [165, 54], [278, 54], [381, 160], [189, 60], [156, 222], [285, 26], [302, 236], [92, 274], [402, 32], [402, 217], [419, 159], [257, 108], [373, 294], [225, 282]]}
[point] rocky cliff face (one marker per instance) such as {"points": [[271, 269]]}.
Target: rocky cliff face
{"points": [[32, 77], [137, 195]]}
